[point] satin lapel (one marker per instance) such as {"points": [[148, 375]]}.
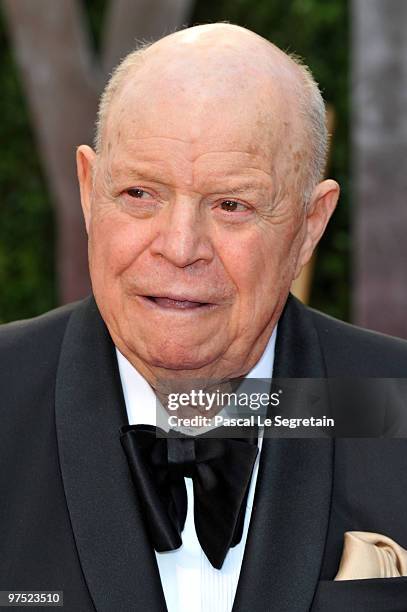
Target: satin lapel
{"points": [[290, 514], [118, 562]]}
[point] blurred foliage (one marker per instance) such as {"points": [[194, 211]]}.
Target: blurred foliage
{"points": [[95, 13], [27, 274], [314, 29]]}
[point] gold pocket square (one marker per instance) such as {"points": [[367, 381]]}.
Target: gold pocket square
{"points": [[371, 555]]}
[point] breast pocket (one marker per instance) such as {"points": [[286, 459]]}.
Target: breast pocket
{"points": [[371, 595]]}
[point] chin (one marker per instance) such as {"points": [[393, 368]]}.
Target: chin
{"points": [[177, 364], [179, 360]]}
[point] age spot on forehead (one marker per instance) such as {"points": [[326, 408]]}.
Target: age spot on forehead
{"points": [[298, 158]]}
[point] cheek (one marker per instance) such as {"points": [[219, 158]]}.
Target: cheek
{"points": [[261, 265], [114, 244], [259, 255]]}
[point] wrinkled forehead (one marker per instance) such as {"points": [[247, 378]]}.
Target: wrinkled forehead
{"points": [[195, 128], [209, 105]]}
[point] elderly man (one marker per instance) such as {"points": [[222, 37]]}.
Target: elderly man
{"points": [[203, 201]]}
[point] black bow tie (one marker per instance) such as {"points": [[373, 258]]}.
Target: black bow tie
{"points": [[220, 469]]}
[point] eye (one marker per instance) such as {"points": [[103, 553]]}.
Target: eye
{"points": [[136, 192], [233, 206]]}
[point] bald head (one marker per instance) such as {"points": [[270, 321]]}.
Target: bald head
{"points": [[224, 69]]}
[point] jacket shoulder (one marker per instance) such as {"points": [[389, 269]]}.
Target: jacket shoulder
{"points": [[29, 351], [355, 351], [46, 328]]}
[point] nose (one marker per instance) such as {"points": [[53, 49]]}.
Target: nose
{"points": [[182, 234]]}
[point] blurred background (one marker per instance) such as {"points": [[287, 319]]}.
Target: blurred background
{"points": [[55, 57]]}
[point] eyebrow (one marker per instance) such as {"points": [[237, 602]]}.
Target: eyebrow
{"points": [[135, 173], [244, 188], [157, 176]]}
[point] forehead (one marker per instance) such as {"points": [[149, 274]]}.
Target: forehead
{"points": [[170, 126], [199, 116], [189, 147], [216, 84], [191, 117]]}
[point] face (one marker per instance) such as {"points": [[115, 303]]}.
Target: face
{"points": [[193, 243]]}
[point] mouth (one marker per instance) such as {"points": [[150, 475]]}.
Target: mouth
{"points": [[176, 303]]}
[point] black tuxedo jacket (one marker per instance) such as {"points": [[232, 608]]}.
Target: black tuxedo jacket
{"points": [[69, 516]]}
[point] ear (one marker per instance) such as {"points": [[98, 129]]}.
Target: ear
{"points": [[320, 209], [85, 159]]}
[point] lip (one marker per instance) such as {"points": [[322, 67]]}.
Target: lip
{"points": [[180, 297], [177, 303]]}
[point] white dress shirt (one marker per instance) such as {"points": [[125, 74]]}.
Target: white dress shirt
{"points": [[190, 582]]}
